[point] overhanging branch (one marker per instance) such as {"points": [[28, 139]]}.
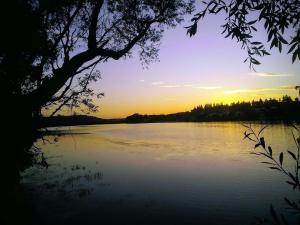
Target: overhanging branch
{"points": [[47, 90]]}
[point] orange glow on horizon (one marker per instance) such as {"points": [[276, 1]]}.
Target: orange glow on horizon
{"points": [[183, 104]]}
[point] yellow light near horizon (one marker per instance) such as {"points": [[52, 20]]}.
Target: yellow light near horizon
{"points": [[167, 104]]}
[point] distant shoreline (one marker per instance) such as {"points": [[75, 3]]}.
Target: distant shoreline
{"points": [[80, 120], [283, 110], [75, 120]]}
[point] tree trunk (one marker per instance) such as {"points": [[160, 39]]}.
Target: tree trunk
{"points": [[18, 135]]}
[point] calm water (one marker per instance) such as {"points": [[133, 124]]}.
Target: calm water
{"points": [[167, 173]]}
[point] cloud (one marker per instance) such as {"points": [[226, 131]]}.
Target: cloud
{"points": [[169, 86], [236, 91], [141, 80], [157, 83], [273, 74], [209, 87], [188, 85]]}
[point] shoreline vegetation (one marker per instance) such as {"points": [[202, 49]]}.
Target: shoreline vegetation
{"points": [[285, 109]]}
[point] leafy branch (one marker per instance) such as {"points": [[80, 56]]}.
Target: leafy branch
{"points": [[242, 17], [274, 163], [277, 164]]}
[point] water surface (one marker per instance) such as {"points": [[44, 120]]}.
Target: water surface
{"points": [[163, 173]]}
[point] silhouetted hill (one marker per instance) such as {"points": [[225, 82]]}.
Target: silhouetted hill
{"points": [[75, 120]]}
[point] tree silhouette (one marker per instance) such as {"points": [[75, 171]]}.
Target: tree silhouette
{"points": [[269, 110], [49, 49], [48, 53], [243, 18]]}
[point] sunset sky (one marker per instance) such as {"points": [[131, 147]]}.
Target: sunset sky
{"points": [[206, 68]]}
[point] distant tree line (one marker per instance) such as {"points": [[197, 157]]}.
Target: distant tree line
{"points": [[284, 109]]}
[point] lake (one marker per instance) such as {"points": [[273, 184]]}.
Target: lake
{"points": [[162, 174]]}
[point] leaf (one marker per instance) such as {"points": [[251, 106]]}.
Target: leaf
{"points": [[254, 61], [291, 183], [273, 43], [274, 215], [259, 7], [252, 22], [213, 8], [253, 28], [281, 158], [265, 52], [266, 24], [292, 48], [288, 201], [274, 168], [257, 145], [294, 56], [293, 177], [270, 35], [283, 40], [280, 46], [262, 142], [270, 150], [229, 33], [247, 35], [218, 10], [192, 30], [292, 154], [269, 163], [283, 220]]}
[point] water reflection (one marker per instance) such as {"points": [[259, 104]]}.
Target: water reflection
{"points": [[70, 183], [180, 173]]}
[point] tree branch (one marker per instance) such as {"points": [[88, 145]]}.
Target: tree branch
{"points": [[73, 94], [66, 28], [64, 91], [41, 96], [93, 25]]}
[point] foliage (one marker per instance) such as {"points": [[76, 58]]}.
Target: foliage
{"points": [[274, 163], [49, 49], [278, 164], [243, 17]]}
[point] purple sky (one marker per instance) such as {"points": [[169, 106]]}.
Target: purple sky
{"points": [[204, 69]]}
